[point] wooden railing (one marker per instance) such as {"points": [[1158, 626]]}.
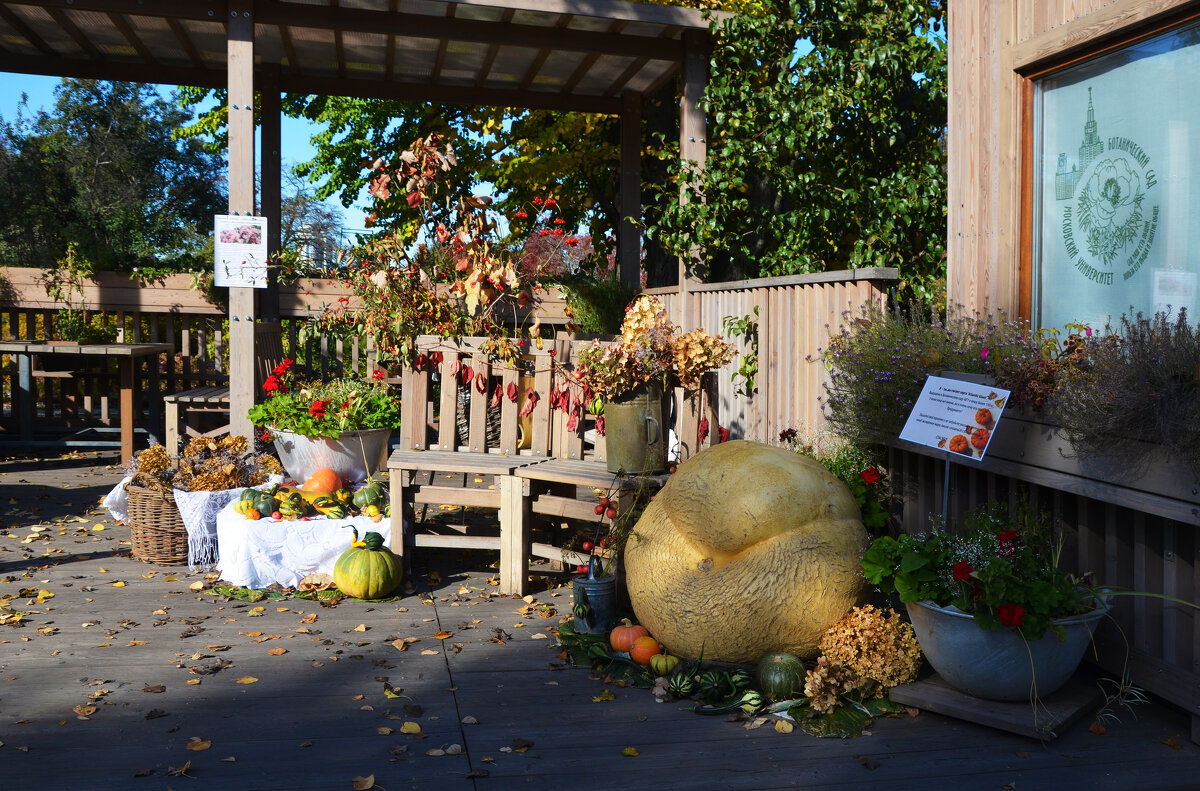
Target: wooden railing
{"points": [[169, 310], [797, 315]]}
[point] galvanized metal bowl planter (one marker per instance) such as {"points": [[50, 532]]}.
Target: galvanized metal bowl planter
{"points": [[999, 664]]}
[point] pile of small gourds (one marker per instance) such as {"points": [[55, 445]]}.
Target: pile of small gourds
{"points": [[779, 677], [290, 503]]}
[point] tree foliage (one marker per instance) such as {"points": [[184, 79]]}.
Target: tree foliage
{"points": [[103, 172], [573, 157], [825, 145]]}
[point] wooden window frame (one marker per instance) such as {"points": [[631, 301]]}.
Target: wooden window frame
{"points": [[1026, 92]]}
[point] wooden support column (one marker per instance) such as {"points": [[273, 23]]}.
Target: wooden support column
{"points": [[693, 132], [270, 113], [629, 235], [240, 48]]}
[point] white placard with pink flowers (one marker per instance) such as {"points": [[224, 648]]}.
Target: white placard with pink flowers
{"points": [[240, 247], [955, 416]]}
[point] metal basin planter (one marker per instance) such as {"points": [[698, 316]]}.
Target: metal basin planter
{"points": [[999, 664], [353, 455]]}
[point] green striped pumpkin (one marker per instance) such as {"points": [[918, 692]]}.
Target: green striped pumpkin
{"points": [[368, 569]]}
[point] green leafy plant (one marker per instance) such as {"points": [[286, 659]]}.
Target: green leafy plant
{"points": [[1002, 568], [854, 467], [324, 409], [747, 370]]}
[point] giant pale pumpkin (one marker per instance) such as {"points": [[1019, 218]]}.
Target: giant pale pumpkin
{"points": [[748, 550], [368, 569]]}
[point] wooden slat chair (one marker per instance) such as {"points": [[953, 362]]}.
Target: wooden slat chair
{"points": [[562, 487], [438, 466], [183, 408]]}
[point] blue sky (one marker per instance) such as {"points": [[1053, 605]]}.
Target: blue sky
{"points": [[40, 90]]}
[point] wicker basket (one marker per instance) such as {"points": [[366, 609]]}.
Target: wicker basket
{"points": [[157, 530]]}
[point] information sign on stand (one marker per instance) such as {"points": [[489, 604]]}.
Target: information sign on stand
{"points": [[956, 416], [240, 245]]}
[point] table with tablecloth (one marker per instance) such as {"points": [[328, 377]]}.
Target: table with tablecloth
{"points": [[255, 553]]}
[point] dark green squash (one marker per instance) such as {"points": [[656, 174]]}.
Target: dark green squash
{"points": [[781, 677], [368, 569]]}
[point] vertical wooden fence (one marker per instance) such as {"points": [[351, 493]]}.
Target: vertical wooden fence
{"points": [[797, 316]]}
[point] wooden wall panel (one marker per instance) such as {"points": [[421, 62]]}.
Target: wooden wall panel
{"points": [[992, 45]]}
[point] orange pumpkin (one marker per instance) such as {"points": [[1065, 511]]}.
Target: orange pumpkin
{"points": [[622, 636], [322, 480], [643, 650]]}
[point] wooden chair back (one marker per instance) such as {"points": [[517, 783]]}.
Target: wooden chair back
{"points": [[268, 352], [466, 384]]}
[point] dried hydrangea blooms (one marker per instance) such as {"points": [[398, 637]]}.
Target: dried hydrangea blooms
{"points": [[154, 460], [825, 685], [876, 645], [697, 352]]}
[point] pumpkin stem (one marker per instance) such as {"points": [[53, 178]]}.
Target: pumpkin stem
{"points": [[626, 622], [354, 542]]}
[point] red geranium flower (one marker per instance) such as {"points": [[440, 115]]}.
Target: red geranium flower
{"points": [[272, 384], [870, 476], [379, 373], [1006, 536], [1011, 615], [318, 408], [962, 571]]}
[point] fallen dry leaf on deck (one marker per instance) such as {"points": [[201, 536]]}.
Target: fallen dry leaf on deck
{"points": [[443, 635], [84, 711], [315, 582], [429, 652], [410, 728], [154, 689], [783, 726], [1170, 742], [118, 584], [630, 752], [364, 783], [1097, 728], [384, 730], [604, 696], [198, 745], [246, 680], [277, 651]]}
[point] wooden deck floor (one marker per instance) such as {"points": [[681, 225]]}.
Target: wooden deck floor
{"points": [[319, 714]]}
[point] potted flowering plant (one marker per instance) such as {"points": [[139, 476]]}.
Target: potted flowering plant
{"points": [[632, 374], [993, 611], [343, 424]]}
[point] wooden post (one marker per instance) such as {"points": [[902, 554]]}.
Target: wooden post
{"points": [[693, 147], [514, 534], [240, 46], [629, 236], [270, 126]]}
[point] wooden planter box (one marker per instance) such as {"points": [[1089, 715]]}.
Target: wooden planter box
{"points": [[1028, 448]]}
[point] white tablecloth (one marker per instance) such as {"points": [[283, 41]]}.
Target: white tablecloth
{"points": [[257, 552]]}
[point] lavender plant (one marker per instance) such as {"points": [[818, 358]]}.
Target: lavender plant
{"points": [[879, 361]]}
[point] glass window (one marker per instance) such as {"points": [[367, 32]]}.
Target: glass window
{"points": [[1116, 179]]}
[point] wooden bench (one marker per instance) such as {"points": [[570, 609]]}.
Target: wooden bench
{"points": [[432, 464], [562, 486], [183, 408]]}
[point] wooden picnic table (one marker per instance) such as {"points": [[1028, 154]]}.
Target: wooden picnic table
{"points": [[124, 353]]}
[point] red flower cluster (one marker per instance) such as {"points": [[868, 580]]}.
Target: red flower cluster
{"points": [[962, 571], [379, 373], [870, 476], [1007, 540], [1011, 615], [318, 408]]}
